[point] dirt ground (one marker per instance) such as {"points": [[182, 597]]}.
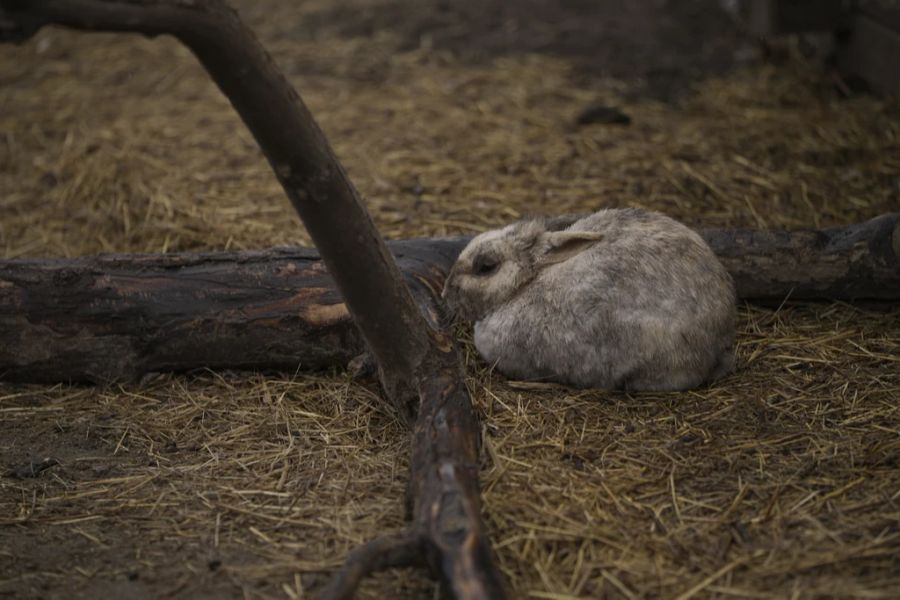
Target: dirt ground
{"points": [[782, 480]]}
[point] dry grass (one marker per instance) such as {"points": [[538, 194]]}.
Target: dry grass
{"points": [[782, 480]]}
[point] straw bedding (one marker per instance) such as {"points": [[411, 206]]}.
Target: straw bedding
{"points": [[781, 480]]}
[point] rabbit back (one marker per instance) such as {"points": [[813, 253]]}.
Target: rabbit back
{"points": [[649, 307]]}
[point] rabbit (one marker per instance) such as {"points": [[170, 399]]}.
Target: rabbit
{"points": [[618, 299]]}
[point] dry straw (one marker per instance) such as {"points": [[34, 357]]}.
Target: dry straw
{"points": [[781, 480]]}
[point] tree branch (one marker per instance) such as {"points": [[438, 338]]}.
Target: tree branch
{"points": [[299, 153], [381, 553], [411, 356]]}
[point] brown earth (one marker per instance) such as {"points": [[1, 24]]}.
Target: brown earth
{"points": [[781, 480]]}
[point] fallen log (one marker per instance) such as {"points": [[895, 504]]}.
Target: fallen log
{"points": [[852, 262], [118, 317]]}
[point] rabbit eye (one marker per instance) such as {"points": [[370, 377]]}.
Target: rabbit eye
{"points": [[484, 265]]}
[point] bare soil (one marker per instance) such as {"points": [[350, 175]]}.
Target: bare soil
{"points": [[781, 480]]}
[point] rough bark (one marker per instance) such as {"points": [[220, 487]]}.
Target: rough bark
{"points": [[118, 317], [412, 357], [852, 262]]}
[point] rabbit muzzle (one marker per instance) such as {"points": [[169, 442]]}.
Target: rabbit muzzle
{"points": [[454, 301]]}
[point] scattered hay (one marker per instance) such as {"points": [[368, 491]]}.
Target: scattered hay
{"points": [[783, 479]]}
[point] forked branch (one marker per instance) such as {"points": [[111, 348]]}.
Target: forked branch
{"points": [[411, 356], [381, 553], [298, 151]]}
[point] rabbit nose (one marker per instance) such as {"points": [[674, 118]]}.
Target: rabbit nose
{"points": [[450, 293]]}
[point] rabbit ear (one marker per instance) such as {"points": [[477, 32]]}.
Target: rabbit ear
{"points": [[527, 236], [559, 246]]}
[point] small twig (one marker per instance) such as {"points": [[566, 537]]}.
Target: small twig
{"points": [[708, 580], [399, 550]]}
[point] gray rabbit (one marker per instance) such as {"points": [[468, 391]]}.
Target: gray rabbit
{"points": [[622, 298]]}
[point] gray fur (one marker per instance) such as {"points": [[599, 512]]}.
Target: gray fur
{"points": [[622, 298]]}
